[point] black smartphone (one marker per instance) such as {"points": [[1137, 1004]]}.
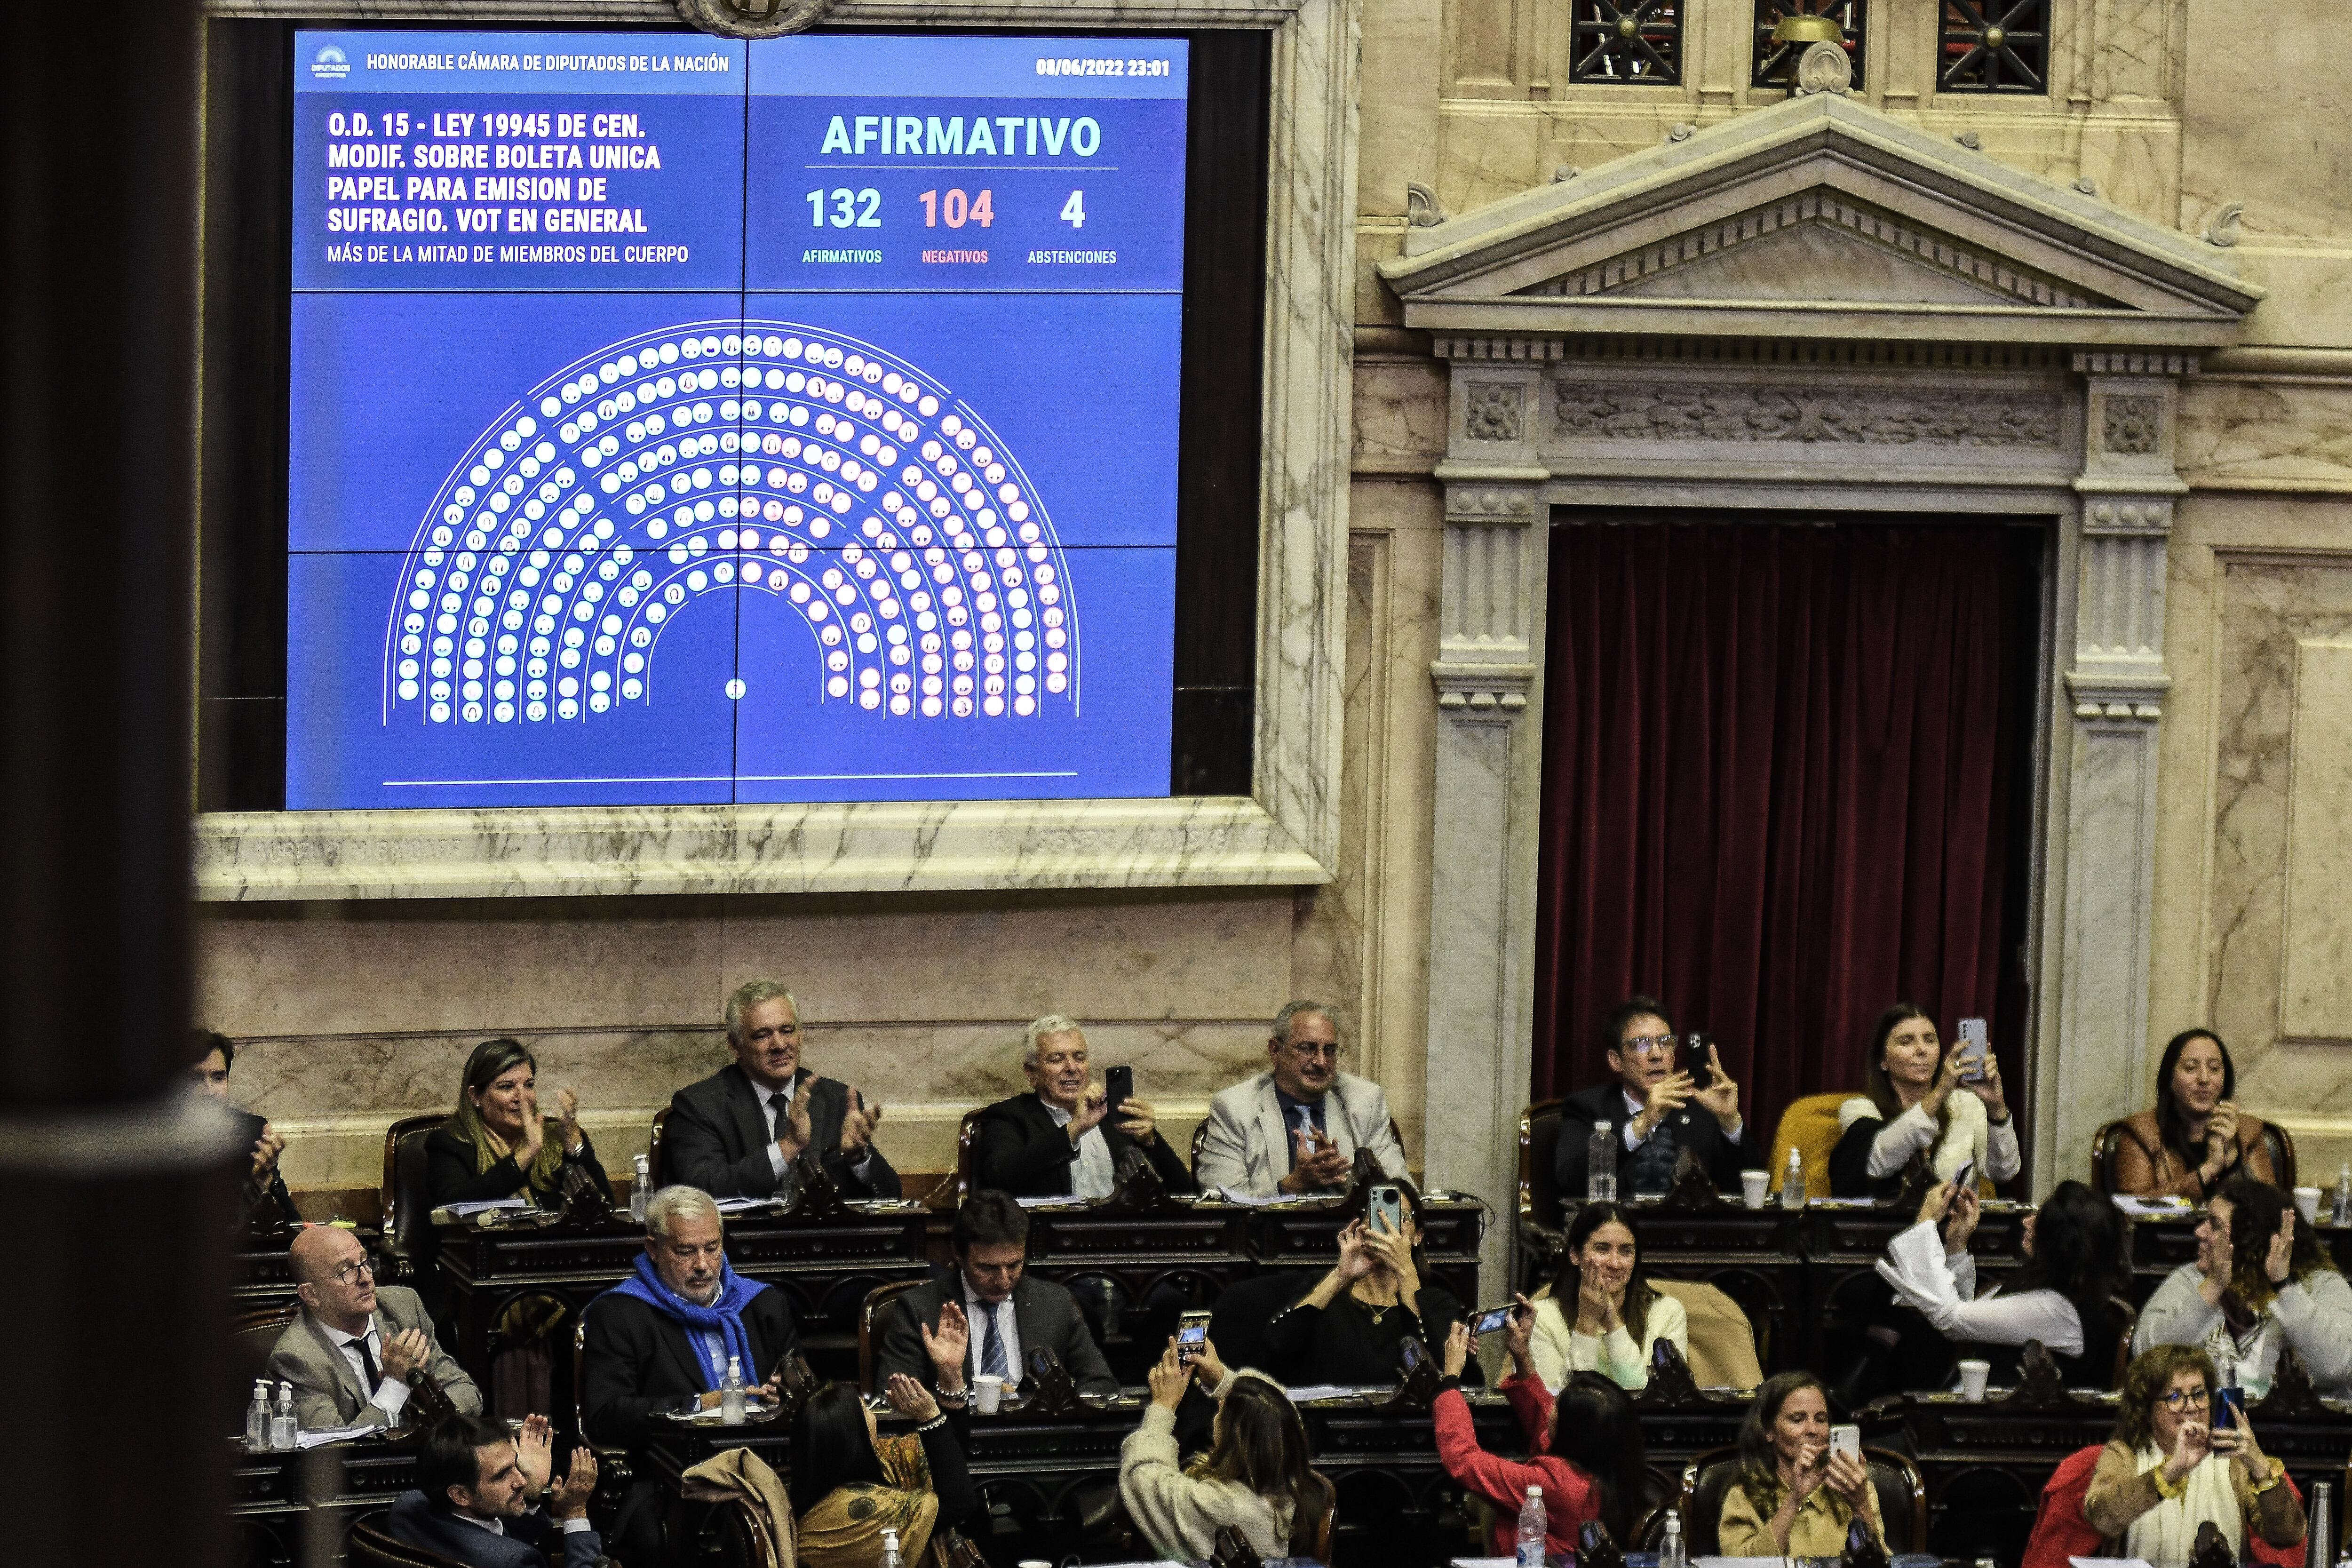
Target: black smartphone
{"points": [[1963, 1177], [1118, 1088], [1702, 1072], [1492, 1319], [1410, 1350]]}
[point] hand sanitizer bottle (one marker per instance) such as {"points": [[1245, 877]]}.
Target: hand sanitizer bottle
{"points": [[730, 1394], [1600, 1164], [283, 1427], [1792, 1183], [1670, 1549], [2344, 1194], [890, 1549], [641, 1189], [257, 1419]]}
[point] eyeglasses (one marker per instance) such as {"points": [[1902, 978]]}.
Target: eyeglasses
{"points": [[346, 1273], [1651, 1045], [1307, 1050], [2185, 1398]]}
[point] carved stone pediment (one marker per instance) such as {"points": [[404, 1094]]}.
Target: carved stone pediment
{"points": [[1819, 217]]}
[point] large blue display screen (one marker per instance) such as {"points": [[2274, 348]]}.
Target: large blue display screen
{"points": [[677, 420]]}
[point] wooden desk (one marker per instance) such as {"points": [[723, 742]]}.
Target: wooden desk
{"points": [[284, 1498]]}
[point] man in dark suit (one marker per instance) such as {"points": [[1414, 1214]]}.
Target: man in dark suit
{"points": [[736, 1133], [1008, 1313], [1065, 1139], [1655, 1110], [263, 1202], [474, 1494]]}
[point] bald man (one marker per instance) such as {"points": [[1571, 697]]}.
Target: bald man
{"points": [[350, 1353]]}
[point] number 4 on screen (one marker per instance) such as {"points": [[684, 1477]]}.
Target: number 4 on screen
{"points": [[1074, 211]]}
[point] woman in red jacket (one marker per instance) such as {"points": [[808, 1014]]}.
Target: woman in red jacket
{"points": [[1586, 1454]]}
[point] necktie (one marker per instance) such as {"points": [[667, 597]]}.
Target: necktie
{"points": [[779, 1108], [992, 1345], [1305, 1130], [367, 1360]]}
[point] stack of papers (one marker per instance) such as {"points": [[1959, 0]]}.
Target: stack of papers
{"points": [[329, 1435], [1051, 1203], [742, 1205], [2153, 1208], [468, 1211]]}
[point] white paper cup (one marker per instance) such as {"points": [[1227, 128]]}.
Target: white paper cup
{"points": [[988, 1389], [1973, 1374], [2306, 1204], [1754, 1185]]}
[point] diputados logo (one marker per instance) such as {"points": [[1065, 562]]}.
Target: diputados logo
{"points": [[329, 65]]}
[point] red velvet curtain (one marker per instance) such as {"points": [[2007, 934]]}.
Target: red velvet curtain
{"points": [[1785, 770]]}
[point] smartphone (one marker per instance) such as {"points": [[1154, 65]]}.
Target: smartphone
{"points": [[1192, 1333], [1409, 1349], [1695, 1062], [1962, 1177], [2227, 1403], [1846, 1440], [1385, 1204], [1492, 1319], [1118, 1088], [1974, 1045]]}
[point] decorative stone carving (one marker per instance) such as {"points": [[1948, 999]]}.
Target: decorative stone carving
{"points": [[1492, 411], [2222, 229], [1421, 209], [1562, 172], [2129, 425], [1671, 411], [1824, 68], [752, 18]]}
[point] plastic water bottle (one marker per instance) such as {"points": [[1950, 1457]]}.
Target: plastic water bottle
{"points": [[283, 1429], [2319, 1515], [1600, 1164], [2344, 1194], [890, 1549], [1670, 1550], [730, 1394], [1793, 1182], [257, 1419], [641, 1189], [1531, 1529]]}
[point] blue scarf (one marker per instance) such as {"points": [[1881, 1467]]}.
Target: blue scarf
{"points": [[723, 1317]]}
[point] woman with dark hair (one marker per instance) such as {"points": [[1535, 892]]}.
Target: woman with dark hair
{"points": [[2166, 1471], [1602, 1315], [1794, 1497], [1255, 1477], [1919, 1111], [496, 1143], [2260, 1283], [1351, 1326], [1586, 1451], [2196, 1137], [2073, 1266], [849, 1485]]}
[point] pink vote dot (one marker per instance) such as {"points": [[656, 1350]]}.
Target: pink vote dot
{"points": [[1057, 682]]}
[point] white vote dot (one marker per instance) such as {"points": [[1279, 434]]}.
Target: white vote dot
{"points": [[735, 687]]}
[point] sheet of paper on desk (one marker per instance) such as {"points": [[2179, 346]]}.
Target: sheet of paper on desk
{"points": [[739, 1205], [1252, 1200], [2109, 1563], [466, 1211], [1051, 1203], [329, 1435], [2153, 1208], [1305, 1392], [1836, 1204]]}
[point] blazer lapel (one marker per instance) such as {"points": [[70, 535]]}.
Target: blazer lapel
{"points": [[1336, 1119], [1277, 1132], [350, 1398], [743, 1099]]}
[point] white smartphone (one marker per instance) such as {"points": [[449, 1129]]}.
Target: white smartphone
{"points": [[1974, 1045], [1846, 1440]]}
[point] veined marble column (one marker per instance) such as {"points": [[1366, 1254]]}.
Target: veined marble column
{"points": [[2116, 683], [1489, 757]]}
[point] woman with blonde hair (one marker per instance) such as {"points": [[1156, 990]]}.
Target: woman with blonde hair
{"points": [[1254, 1478], [496, 1144]]}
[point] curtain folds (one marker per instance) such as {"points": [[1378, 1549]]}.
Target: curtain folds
{"points": [[1785, 777]]}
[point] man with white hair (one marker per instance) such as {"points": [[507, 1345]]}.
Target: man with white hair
{"points": [[1295, 1129], [1065, 1139], [736, 1132]]}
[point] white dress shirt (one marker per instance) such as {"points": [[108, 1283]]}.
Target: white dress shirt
{"points": [[1944, 1287], [498, 1526], [777, 1117], [1096, 1176], [976, 1313], [1635, 1108], [390, 1394]]}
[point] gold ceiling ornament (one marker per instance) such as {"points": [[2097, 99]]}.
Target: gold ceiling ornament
{"points": [[1803, 28]]}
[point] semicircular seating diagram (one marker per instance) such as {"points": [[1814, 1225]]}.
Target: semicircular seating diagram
{"points": [[716, 456]]}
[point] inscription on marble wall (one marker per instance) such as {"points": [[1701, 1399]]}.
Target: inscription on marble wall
{"points": [[1662, 411]]}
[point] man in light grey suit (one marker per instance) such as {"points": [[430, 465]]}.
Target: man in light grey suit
{"points": [[349, 1353], [1296, 1129]]}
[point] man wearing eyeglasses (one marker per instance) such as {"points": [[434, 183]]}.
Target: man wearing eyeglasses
{"points": [[1655, 1109], [1295, 1129], [349, 1353]]}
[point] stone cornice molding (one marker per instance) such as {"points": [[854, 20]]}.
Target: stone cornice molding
{"points": [[1286, 832]]}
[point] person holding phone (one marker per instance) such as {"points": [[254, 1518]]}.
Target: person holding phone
{"points": [[2065, 1296], [2169, 1469], [1922, 1106], [1658, 1106], [1066, 1138], [2260, 1283], [1602, 1314], [2196, 1137], [1795, 1496], [1254, 1478], [1349, 1328], [1585, 1449]]}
